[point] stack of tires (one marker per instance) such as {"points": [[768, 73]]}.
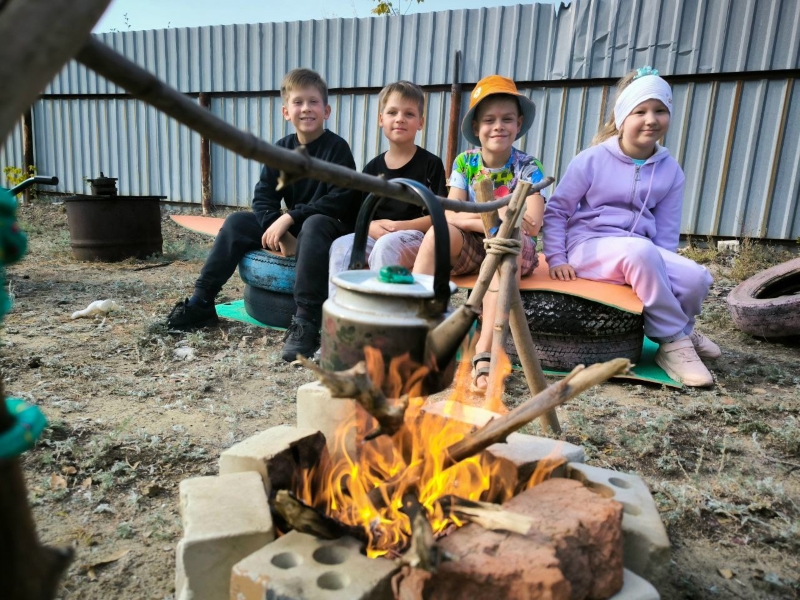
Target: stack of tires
{"points": [[269, 287], [569, 330]]}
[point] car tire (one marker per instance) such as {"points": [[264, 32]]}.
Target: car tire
{"points": [[768, 303], [268, 271], [570, 330], [275, 309]]}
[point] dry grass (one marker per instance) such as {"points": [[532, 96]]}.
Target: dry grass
{"points": [[723, 464]]}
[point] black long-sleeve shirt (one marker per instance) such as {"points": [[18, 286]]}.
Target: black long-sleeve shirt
{"points": [[307, 197]]}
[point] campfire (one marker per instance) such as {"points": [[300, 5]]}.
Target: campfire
{"points": [[412, 463]]}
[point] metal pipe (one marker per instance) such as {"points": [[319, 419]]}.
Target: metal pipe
{"points": [[455, 113], [205, 160], [27, 149]]}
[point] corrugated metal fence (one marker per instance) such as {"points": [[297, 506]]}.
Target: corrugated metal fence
{"points": [[733, 65]]}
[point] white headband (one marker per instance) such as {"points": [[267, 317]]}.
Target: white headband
{"points": [[640, 89]]}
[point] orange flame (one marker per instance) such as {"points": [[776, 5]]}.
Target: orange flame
{"points": [[412, 460]]}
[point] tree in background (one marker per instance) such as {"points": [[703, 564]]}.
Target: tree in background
{"points": [[387, 8]]}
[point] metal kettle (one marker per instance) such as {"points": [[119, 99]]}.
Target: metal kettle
{"points": [[396, 315]]}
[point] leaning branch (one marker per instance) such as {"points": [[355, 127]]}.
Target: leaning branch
{"points": [[147, 87]]}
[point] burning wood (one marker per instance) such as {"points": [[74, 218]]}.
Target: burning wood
{"points": [[423, 551], [487, 515], [306, 519]]}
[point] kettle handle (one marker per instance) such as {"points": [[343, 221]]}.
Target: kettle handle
{"points": [[441, 277]]}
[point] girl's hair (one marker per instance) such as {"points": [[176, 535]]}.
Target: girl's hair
{"points": [[609, 128]]}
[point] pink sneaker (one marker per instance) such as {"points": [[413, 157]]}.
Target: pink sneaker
{"points": [[681, 362], [704, 347]]}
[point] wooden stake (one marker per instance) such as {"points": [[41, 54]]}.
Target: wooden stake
{"points": [[487, 515]]}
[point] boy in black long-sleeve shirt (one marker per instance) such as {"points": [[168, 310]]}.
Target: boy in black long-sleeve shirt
{"points": [[318, 213]]}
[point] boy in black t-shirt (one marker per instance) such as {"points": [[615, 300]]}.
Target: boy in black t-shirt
{"points": [[397, 229], [318, 213]]}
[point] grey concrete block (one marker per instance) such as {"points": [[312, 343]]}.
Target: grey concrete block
{"points": [[526, 451], [298, 566], [462, 413], [635, 588], [646, 544], [224, 519], [276, 454], [318, 410]]}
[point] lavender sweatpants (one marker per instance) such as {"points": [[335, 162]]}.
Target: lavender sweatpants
{"points": [[396, 248], [671, 287]]}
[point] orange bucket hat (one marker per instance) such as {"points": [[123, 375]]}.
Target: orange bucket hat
{"points": [[488, 86]]}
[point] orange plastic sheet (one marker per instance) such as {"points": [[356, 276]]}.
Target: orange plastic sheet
{"points": [[618, 296]]}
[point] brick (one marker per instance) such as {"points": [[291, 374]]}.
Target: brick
{"points": [[298, 566], [490, 564], [646, 544], [225, 519], [526, 451], [636, 588], [586, 530], [276, 454], [318, 410], [573, 550]]}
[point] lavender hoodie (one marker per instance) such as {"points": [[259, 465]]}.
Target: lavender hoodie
{"points": [[604, 194]]}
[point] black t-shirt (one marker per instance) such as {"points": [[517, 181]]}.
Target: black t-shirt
{"points": [[306, 197], [424, 167]]}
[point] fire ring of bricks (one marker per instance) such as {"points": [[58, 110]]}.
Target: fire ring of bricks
{"points": [[594, 533]]}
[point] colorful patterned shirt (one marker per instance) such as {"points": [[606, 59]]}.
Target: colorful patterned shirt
{"points": [[468, 169]]}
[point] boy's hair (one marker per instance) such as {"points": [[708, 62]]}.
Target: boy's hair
{"points": [[609, 128], [303, 78], [482, 104], [406, 90]]}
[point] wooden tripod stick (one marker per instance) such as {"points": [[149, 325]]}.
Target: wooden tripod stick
{"points": [[509, 303], [28, 570]]}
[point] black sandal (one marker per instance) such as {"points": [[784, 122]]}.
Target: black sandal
{"points": [[479, 371]]}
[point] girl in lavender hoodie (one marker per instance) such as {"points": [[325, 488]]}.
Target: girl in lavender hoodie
{"points": [[616, 217]]}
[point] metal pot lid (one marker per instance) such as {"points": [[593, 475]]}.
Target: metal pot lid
{"points": [[370, 282], [103, 179]]}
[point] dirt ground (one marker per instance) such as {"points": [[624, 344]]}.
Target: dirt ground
{"points": [[129, 419]]}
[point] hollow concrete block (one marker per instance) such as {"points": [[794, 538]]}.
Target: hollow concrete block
{"points": [[298, 566], [525, 452], [318, 410], [224, 519], [645, 542], [635, 588], [277, 454]]}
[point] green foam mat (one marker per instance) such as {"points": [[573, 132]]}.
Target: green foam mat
{"points": [[235, 312], [645, 370]]}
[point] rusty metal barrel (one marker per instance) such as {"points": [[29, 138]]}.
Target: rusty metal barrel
{"points": [[113, 228]]}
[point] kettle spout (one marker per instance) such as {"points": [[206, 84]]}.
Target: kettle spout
{"points": [[443, 342]]}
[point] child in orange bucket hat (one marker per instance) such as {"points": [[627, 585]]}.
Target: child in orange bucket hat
{"points": [[498, 115]]}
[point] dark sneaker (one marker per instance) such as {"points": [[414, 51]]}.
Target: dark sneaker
{"points": [[185, 316], [302, 337]]}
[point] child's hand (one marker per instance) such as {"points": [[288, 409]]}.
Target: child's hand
{"points": [[381, 227], [275, 232], [563, 272]]}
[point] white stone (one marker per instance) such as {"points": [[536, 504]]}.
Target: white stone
{"points": [[635, 588], [224, 519], [731, 246], [318, 410], [276, 449], [645, 542]]}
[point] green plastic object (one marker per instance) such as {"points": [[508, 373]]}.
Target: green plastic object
{"points": [[395, 274], [29, 422]]}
